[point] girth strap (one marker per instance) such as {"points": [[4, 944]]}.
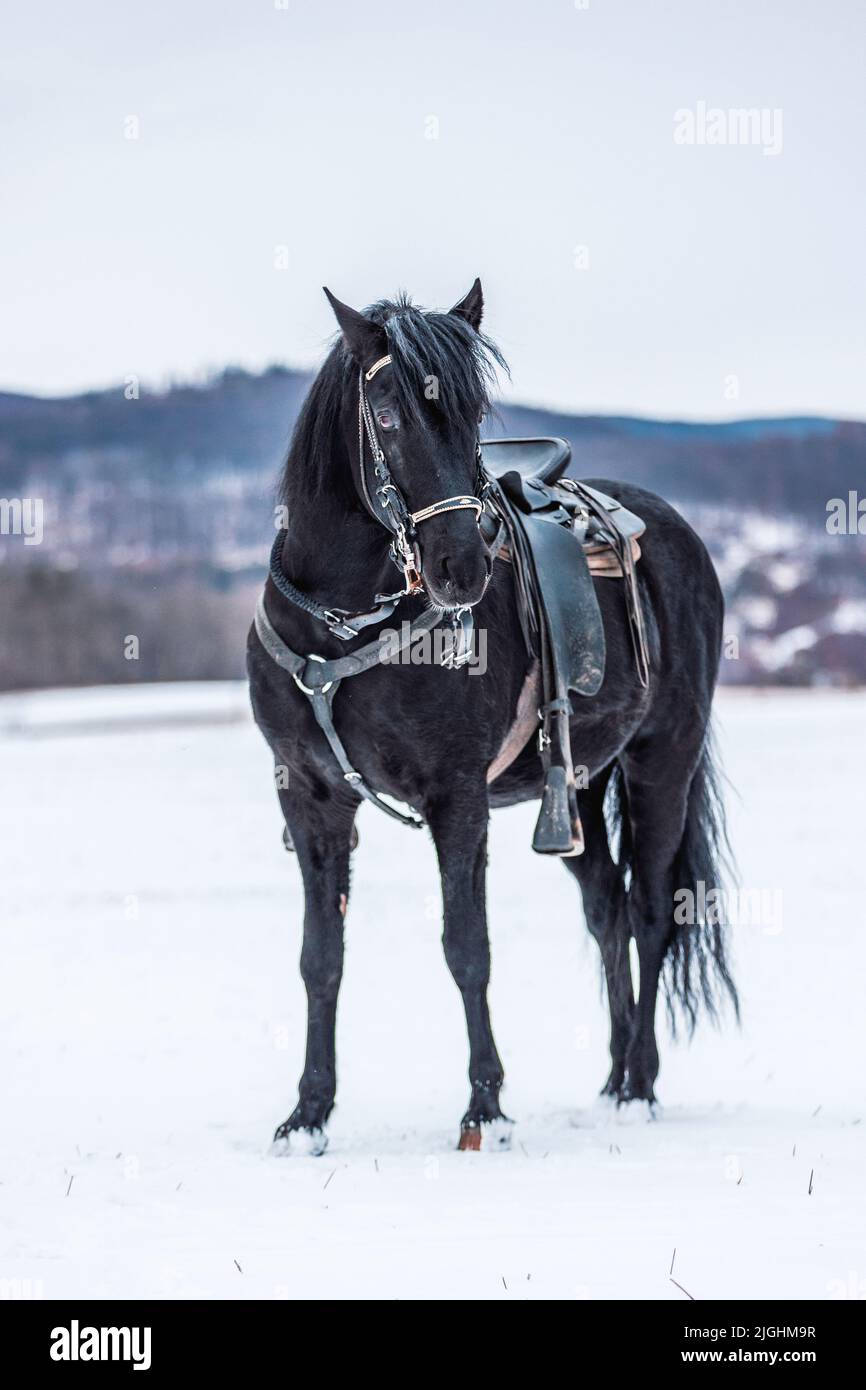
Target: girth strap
{"points": [[320, 680]]}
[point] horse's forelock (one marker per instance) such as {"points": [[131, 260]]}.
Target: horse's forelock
{"points": [[438, 358]]}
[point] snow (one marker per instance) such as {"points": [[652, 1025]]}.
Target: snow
{"points": [[850, 616], [152, 1020], [758, 612], [100, 707], [785, 575]]}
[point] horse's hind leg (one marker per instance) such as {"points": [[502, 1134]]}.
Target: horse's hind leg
{"points": [[602, 890], [657, 783], [459, 828], [320, 833]]}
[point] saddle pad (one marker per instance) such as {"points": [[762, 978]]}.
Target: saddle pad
{"points": [[602, 559], [604, 562]]}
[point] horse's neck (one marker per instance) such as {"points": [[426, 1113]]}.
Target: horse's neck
{"points": [[334, 551]]}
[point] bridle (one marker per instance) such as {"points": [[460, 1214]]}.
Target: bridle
{"points": [[392, 511]]}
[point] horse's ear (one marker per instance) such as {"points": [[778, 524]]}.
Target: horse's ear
{"points": [[365, 340], [471, 306]]}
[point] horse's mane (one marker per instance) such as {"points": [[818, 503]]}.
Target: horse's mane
{"points": [[424, 345]]}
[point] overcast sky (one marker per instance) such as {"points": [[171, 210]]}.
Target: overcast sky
{"points": [[386, 144]]}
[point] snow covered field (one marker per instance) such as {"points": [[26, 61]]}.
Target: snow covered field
{"points": [[152, 1032]]}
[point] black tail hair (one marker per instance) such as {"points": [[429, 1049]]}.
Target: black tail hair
{"points": [[696, 973]]}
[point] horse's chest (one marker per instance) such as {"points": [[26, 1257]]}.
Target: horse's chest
{"points": [[405, 729]]}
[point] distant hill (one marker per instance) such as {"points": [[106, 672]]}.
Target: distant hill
{"points": [[240, 422]]}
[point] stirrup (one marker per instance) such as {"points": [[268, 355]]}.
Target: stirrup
{"points": [[555, 832]]}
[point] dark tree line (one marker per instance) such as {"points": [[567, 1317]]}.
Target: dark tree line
{"points": [[70, 629]]}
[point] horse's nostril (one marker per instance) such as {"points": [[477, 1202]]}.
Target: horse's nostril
{"points": [[459, 578]]}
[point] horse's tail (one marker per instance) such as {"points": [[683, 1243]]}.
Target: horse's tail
{"points": [[697, 972], [697, 968]]}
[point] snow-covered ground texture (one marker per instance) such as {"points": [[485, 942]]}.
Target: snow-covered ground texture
{"points": [[153, 1018]]}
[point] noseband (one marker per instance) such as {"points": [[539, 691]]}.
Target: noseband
{"points": [[392, 510]]}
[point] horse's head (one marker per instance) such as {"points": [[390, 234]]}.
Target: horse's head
{"points": [[423, 406]]}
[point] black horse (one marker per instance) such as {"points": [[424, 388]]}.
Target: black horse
{"points": [[427, 735]]}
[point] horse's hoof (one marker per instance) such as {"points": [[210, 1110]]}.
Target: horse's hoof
{"points": [[287, 1143], [489, 1135], [603, 1108], [635, 1111]]}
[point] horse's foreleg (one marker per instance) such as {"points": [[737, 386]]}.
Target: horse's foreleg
{"points": [[322, 841], [459, 828]]}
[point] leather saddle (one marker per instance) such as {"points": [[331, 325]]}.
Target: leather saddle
{"points": [[557, 532]]}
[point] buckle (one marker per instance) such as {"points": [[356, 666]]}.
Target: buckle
{"points": [[382, 493], [338, 624], [315, 690], [405, 555]]}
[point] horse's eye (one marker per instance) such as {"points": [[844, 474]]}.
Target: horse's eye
{"points": [[386, 420]]}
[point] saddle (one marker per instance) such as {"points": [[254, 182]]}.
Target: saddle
{"points": [[557, 534]]}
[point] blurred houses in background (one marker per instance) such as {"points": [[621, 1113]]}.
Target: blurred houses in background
{"points": [[158, 514]]}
